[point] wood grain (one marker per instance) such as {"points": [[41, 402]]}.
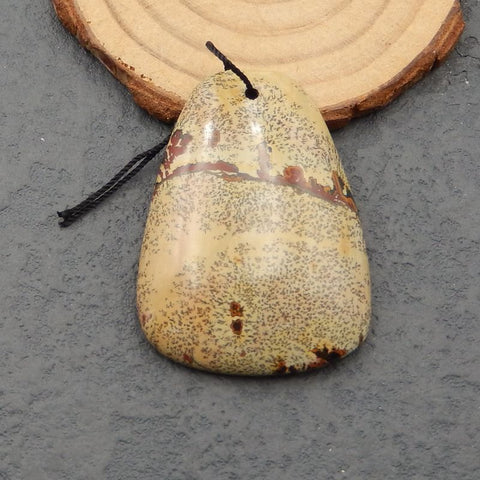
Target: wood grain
{"points": [[351, 56]]}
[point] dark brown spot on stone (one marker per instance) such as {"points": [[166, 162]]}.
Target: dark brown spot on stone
{"points": [[237, 326], [281, 367], [361, 338], [328, 355], [187, 358], [318, 363], [236, 310]]}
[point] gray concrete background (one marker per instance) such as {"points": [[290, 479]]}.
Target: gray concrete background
{"points": [[82, 394]]}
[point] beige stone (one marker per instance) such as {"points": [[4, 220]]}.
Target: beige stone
{"points": [[253, 260]]}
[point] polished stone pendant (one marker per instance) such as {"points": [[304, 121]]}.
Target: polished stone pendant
{"points": [[253, 259]]}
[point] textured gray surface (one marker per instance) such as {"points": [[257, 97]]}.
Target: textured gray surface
{"points": [[82, 394]]}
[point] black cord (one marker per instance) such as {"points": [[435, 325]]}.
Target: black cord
{"points": [[250, 92], [70, 215]]}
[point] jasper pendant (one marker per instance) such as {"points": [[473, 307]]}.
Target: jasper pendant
{"points": [[253, 260]]}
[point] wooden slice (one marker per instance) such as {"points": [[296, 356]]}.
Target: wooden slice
{"points": [[351, 56]]}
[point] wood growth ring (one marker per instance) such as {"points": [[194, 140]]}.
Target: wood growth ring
{"points": [[351, 56]]}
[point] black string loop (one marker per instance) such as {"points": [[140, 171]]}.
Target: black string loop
{"points": [[70, 215], [251, 92]]}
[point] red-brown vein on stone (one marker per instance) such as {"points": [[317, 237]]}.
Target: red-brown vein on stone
{"points": [[219, 166], [176, 146], [339, 188], [292, 176]]}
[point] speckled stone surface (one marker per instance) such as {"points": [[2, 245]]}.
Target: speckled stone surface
{"points": [[82, 393], [253, 260]]}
